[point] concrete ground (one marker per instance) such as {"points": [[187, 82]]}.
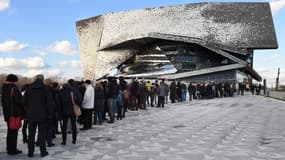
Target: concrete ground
{"points": [[240, 128]]}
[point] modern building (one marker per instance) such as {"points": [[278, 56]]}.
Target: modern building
{"points": [[197, 42]]}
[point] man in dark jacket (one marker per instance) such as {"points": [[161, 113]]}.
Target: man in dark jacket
{"points": [[173, 95], [134, 94], [191, 90], [38, 100], [11, 102], [143, 95]]}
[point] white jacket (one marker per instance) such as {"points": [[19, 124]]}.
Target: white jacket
{"points": [[88, 99]]}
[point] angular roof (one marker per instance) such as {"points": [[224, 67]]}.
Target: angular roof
{"points": [[237, 25], [220, 27]]}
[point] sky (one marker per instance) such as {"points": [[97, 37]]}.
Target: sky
{"points": [[40, 36]]}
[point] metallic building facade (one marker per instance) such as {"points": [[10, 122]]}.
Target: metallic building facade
{"points": [[201, 41]]}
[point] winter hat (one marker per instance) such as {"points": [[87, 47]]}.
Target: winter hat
{"points": [[12, 78]]}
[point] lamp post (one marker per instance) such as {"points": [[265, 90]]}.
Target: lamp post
{"points": [[277, 80]]}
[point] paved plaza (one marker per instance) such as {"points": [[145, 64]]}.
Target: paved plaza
{"points": [[240, 128]]}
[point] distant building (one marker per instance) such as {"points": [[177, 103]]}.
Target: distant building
{"points": [[197, 42]]}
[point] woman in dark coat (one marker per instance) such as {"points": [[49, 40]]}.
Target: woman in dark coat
{"points": [[66, 108], [12, 106], [99, 103], [173, 95]]}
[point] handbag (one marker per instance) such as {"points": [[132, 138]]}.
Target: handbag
{"points": [[76, 108], [15, 122]]}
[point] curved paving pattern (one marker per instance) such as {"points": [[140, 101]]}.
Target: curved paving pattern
{"points": [[249, 128]]}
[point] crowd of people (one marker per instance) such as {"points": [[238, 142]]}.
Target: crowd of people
{"points": [[47, 107]]}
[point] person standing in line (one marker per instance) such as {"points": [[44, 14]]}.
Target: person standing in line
{"points": [[134, 94], [25, 122], [167, 94], [151, 94], [156, 92], [39, 102], [11, 102], [191, 91], [57, 118], [48, 83], [143, 95], [99, 104], [66, 100], [179, 91], [183, 92], [173, 95], [252, 87], [119, 104], [148, 86], [162, 91], [112, 91], [88, 105], [123, 85]]}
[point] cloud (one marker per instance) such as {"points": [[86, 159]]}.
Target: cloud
{"points": [[4, 4], [56, 74], [27, 63], [47, 73], [11, 46], [70, 64], [40, 52], [275, 56], [276, 6], [63, 47]]}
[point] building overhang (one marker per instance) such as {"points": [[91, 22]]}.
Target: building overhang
{"points": [[223, 28]]}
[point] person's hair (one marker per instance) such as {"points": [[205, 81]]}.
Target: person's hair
{"points": [[54, 85], [48, 82], [71, 82], [99, 84], [39, 77], [11, 78], [87, 81]]}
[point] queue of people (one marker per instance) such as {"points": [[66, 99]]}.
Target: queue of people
{"points": [[47, 107]]}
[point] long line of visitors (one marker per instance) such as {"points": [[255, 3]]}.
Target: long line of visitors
{"points": [[45, 106]]}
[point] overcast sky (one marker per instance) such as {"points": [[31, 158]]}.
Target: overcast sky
{"points": [[39, 36]]}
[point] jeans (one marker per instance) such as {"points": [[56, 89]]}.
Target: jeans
{"points": [[112, 107], [183, 94], [98, 116]]}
